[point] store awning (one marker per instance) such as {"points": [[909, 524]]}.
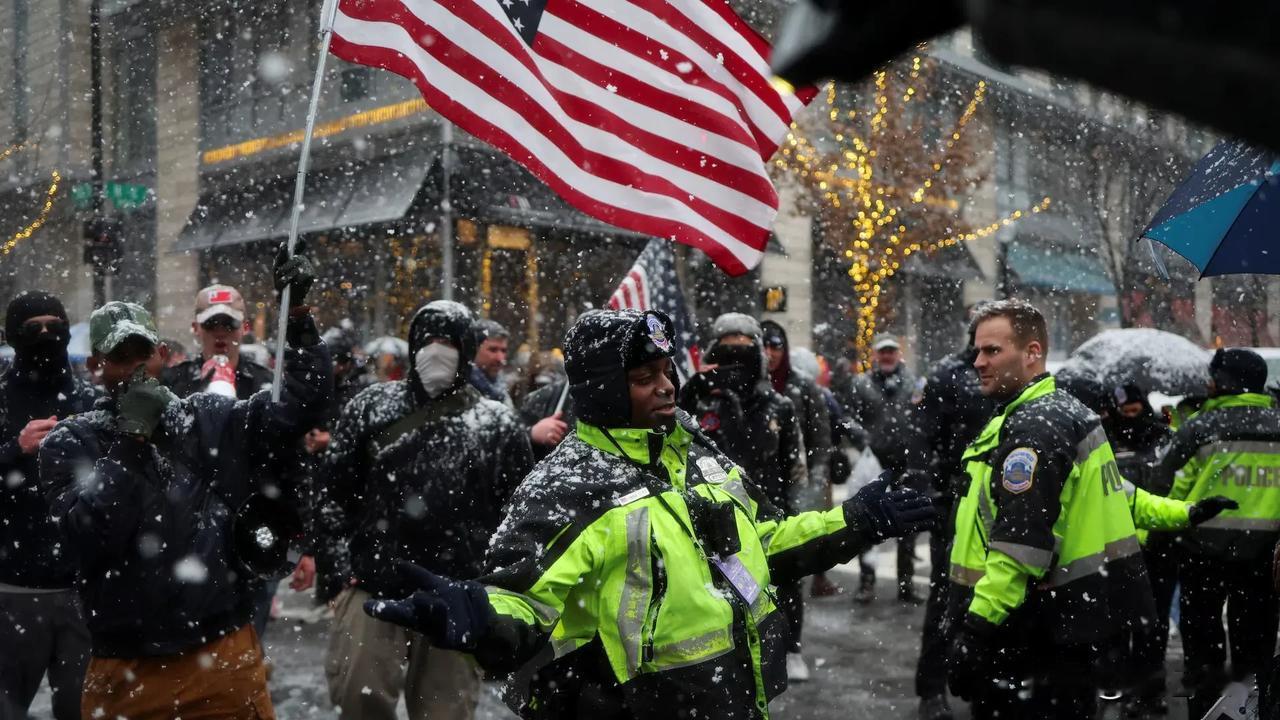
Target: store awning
{"points": [[369, 193], [492, 188], [1058, 268]]}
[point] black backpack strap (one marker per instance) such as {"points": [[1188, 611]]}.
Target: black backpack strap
{"points": [[432, 412]]}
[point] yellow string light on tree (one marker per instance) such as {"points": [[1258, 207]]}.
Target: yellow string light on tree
{"points": [[885, 220], [26, 232]]}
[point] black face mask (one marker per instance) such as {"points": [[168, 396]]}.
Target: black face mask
{"points": [[734, 378], [42, 349], [739, 367]]}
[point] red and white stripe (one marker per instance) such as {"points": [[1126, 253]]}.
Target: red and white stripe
{"points": [[632, 292], [652, 115]]}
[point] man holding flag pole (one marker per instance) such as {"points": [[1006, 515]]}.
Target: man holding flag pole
{"points": [[657, 116]]}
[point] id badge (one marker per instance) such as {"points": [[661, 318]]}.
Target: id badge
{"points": [[743, 582]]}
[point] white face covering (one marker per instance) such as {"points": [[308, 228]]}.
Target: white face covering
{"points": [[437, 366]]}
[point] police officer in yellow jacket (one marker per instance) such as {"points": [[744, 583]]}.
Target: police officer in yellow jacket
{"points": [[1231, 447], [635, 573], [1046, 569]]}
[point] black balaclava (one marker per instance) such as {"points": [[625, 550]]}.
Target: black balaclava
{"points": [[741, 367], [1132, 431], [599, 350], [41, 357], [1238, 370], [447, 319]]}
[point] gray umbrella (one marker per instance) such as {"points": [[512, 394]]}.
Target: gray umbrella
{"points": [[1157, 361]]}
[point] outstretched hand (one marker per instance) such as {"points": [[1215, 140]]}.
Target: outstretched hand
{"points": [[1209, 508], [884, 509], [453, 614]]}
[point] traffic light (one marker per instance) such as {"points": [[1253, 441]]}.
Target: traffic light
{"points": [[103, 244]]}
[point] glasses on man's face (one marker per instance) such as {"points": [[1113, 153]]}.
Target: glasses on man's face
{"points": [[35, 328], [219, 322]]}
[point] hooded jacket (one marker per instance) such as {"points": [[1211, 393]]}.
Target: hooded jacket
{"points": [[38, 385], [811, 410], [419, 478], [150, 523], [754, 426]]}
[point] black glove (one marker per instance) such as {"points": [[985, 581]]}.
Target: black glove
{"points": [[295, 272], [141, 405], [1210, 508], [884, 510], [969, 659], [452, 614]]}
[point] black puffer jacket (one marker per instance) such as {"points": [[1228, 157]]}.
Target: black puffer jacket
{"points": [[430, 491], [951, 413], [151, 524], [881, 403], [759, 433], [32, 554]]}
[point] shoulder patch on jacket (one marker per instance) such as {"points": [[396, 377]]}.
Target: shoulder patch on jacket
{"points": [[1019, 470]]}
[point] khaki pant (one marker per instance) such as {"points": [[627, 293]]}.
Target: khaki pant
{"points": [[222, 679], [371, 662]]}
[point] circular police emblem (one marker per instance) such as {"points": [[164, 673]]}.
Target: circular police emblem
{"points": [[1019, 470], [710, 422], [658, 333]]}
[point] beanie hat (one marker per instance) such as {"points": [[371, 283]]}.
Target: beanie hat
{"points": [[599, 350], [735, 324], [29, 304], [1238, 370]]}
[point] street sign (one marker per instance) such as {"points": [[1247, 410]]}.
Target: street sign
{"points": [[123, 195]]}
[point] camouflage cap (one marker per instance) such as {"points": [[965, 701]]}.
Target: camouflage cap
{"points": [[112, 323]]}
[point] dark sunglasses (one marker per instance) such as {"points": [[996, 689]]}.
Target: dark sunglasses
{"points": [[35, 328], [219, 322]]}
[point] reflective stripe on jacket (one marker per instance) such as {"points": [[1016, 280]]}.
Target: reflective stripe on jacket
{"points": [[1231, 448]]}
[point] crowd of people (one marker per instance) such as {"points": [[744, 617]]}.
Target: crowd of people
{"points": [[613, 537]]}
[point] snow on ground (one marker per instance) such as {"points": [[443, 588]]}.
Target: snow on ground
{"points": [[862, 658]]}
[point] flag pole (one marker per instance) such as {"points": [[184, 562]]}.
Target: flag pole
{"points": [[446, 209], [327, 12]]}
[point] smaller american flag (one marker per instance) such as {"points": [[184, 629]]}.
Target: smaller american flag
{"points": [[651, 284]]}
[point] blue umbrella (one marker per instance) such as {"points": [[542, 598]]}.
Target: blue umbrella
{"points": [[1225, 218]]}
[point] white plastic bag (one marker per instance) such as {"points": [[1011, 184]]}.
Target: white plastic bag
{"points": [[865, 471]]}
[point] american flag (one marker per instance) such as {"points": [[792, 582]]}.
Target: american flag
{"points": [[651, 284], [657, 116]]}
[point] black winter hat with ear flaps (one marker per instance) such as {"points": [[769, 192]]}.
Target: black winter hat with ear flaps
{"points": [[599, 350]]}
